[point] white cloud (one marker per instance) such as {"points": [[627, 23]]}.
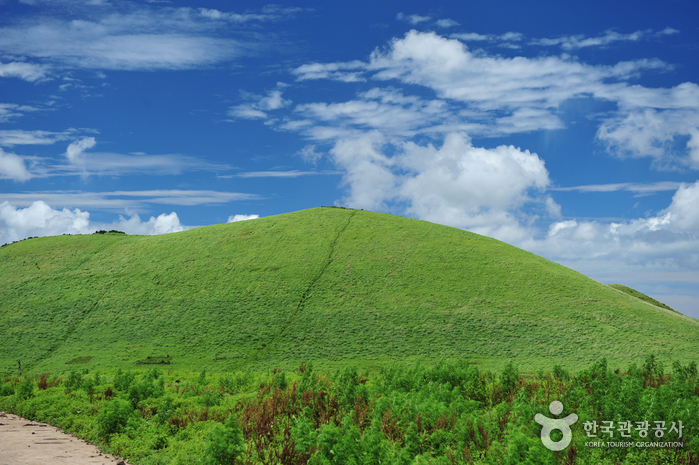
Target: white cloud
{"points": [[457, 184], [413, 19], [470, 187], [143, 38], [505, 39], [118, 201], [268, 13], [276, 174], [494, 96], [368, 174], [10, 137], [493, 83], [385, 109], [345, 72], [27, 71], [638, 188], [75, 149], [12, 167], [684, 210], [11, 110], [234, 218], [40, 220], [256, 110], [652, 133], [610, 36], [163, 224], [445, 23], [668, 239], [114, 164]]}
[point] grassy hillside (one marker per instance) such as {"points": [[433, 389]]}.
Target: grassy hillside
{"points": [[640, 295], [331, 285]]}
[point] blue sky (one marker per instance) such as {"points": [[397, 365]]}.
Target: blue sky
{"points": [[569, 131]]}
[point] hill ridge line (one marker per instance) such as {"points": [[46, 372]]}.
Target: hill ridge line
{"points": [[304, 296]]}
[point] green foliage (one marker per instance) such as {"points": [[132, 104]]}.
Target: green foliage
{"points": [[225, 443], [452, 412], [113, 417], [25, 390], [560, 374], [6, 389], [74, 380], [509, 378], [152, 385], [123, 380]]}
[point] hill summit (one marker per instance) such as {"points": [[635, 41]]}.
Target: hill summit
{"points": [[331, 285]]}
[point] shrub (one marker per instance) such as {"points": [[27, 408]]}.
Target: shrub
{"points": [[123, 380], [113, 417], [74, 381], [26, 389], [509, 378], [6, 390], [225, 442]]}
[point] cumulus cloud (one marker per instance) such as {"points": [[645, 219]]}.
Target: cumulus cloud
{"points": [[670, 238], [457, 184], [234, 218], [654, 133], [494, 96], [12, 167], [367, 170], [39, 219], [163, 224]]}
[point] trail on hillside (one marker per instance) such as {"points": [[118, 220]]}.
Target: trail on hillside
{"points": [[304, 296], [25, 442]]}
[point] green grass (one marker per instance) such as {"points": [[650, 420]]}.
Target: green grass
{"points": [[639, 295], [335, 286]]}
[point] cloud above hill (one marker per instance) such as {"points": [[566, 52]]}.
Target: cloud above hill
{"points": [[39, 219]]}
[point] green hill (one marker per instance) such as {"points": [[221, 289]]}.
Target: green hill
{"points": [[331, 285], [640, 295]]}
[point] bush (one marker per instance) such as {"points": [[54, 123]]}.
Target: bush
{"points": [[113, 417], [74, 381], [151, 386], [6, 390], [26, 389], [225, 442], [123, 380], [509, 378]]}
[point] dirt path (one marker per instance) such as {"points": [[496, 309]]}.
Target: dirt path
{"points": [[24, 442]]}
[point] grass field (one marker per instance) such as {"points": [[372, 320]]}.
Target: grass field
{"points": [[332, 285], [640, 295]]}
